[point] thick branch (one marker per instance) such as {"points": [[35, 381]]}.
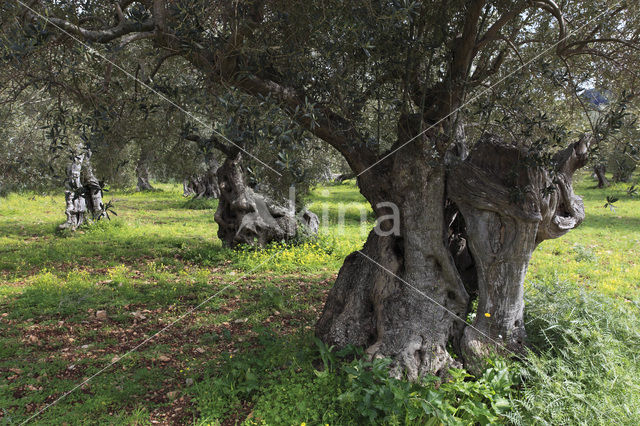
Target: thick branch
{"points": [[214, 141], [552, 7], [493, 33], [98, 36], [328, 125], [580, 47], [465, 45]]}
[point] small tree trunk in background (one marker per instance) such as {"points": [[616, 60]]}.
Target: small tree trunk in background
{"points": [[187, 188], [623, 170], [599, 170], [142, 170], [76, 207], [205, 185], [93, 189], [210, 179], [83, 194], [247, 217]]}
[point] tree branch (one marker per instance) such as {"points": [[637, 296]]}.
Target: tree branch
{"points": [[328, 125], [214, 141], [98, 36], [493, 33]]}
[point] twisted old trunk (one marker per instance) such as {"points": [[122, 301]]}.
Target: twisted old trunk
{"points": [[205, 185], [509, 209], [142, 169], [401, 296], [83, 192], [599, 170], [247, 217], [405, 296]]}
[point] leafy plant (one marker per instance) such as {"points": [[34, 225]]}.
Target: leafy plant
{"points": [[461, 399], [584, 254], [106, 209], [610, 203]]}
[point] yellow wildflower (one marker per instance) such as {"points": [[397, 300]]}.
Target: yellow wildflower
{"points": [[487, 314]]}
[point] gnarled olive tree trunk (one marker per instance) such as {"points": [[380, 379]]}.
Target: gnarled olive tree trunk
{"points": [[402, 296], [247, 217], [83, 192], [142, 169], [204, 185], [599, 170], [508, 209]]}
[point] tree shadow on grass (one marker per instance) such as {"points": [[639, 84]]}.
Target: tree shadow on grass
{"points": [[94, 251]]}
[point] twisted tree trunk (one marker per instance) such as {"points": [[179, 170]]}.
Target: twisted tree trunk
{"points": [[247, 217], [599, 170], [83, 194], [205, 185], [508, 210], [142, 169], [403, 296]]}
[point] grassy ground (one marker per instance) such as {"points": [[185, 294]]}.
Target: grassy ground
{"points": [[248, 354]]}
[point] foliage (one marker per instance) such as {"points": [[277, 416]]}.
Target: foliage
{"points": [[377, 398], [583, 367], [201, 204], [25, 159], [610, 203]]}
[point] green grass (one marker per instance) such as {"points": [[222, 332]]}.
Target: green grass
{"points": [[248, 355], [603, 253]]}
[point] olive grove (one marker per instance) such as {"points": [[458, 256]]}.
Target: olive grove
{"points": [[395, 88]]}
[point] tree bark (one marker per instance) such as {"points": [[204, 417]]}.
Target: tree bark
{"points": [[83, 194], [142, 170], [508, 209], [599, 170], [205, 185], [405, 296], [401, 295], [247, 217]]}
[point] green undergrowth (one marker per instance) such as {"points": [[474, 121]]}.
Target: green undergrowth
{"points": [[584, 367], [294, 381], [201, 204]]}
